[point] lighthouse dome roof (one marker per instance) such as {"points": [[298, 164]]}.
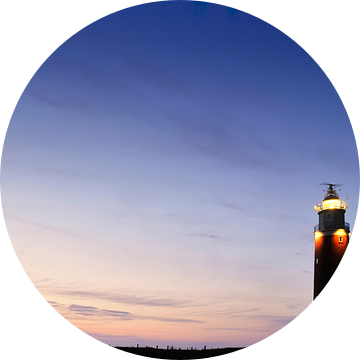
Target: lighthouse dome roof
{"points": [[331, 195]]}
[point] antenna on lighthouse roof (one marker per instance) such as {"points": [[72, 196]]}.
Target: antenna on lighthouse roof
{"points": [[331, 187], [331, 190]]}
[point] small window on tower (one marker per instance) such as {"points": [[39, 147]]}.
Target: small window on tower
{"points": [[341, 240], [317, 261]]}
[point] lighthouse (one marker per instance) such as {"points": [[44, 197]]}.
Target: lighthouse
{"points": [[331, 237]]}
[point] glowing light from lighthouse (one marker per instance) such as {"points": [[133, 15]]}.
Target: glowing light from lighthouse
{"points": [[340, 232], [330, 204]]}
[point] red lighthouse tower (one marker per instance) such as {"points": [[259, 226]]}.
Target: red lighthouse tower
{"points": [[331, 237]]}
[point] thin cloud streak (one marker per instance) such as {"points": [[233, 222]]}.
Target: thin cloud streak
{"points": [[115, 297], [208, 236], [92, 311], [40, 226], [243, 329]]}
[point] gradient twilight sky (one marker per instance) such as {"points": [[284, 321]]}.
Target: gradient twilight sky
{"points": [[159, 175]]}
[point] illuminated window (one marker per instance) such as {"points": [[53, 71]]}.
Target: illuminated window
{"points": [[317, 261], [341, 240]]}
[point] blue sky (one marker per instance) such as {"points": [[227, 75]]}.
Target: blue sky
{"points": [[160, 170]]}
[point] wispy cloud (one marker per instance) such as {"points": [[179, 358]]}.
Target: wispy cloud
{"points": [[272, 320], [293, 306], [94, 311], [240, 329], [38, 225], [230, 205], [211, 236], [46, 98], [266, 323], [208, 236], [91, 311], [121, 297], [222, 312]]}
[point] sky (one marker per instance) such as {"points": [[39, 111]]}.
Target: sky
{"points": [[160, 171]]}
